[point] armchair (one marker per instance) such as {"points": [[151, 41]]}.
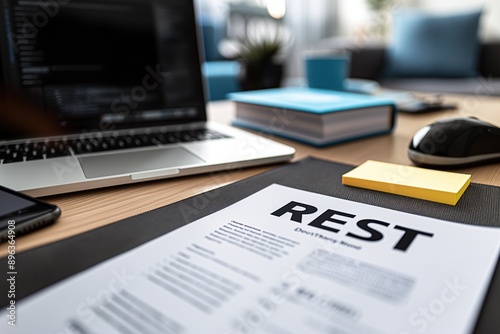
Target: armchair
{"points": [[370, 62]]}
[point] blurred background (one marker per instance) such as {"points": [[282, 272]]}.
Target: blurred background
{"points": [[324, 24]]}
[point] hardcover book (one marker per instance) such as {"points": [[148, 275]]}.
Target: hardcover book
{"points": [[314, 116]]}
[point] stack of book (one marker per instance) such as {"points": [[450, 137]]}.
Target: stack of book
{"points": [[314, 116]]}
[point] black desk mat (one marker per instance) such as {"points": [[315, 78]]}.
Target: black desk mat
{"points": [[46, 265]]}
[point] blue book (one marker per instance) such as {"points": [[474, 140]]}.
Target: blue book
{"points": [[314, 116]]}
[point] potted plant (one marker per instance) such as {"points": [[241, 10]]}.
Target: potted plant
{"points": [[377, 5], [381, 10], [260, 53]]}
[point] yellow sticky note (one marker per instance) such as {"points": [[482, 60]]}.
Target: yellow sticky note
{"points": [[422, 183]]}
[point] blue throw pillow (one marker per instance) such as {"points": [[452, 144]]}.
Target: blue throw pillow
{"points": [[431, 45]]}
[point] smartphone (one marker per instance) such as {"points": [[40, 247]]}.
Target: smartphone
{"points": [[20, 214], [417, 106]]}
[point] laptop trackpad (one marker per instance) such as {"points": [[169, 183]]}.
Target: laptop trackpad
{"points": [[135, 162]]}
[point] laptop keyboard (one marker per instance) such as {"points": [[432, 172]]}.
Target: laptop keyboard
{"points": [[90, 144]]}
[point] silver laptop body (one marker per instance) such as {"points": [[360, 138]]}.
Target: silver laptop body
{"points": [[101, 93]]}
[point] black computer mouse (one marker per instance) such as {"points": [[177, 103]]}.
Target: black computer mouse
{"points": [[455, 142]]}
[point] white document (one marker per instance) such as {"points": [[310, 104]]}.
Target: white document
{"points": [[281, 261]]}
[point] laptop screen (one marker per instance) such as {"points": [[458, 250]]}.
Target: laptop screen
{"points": [[95, 65]]}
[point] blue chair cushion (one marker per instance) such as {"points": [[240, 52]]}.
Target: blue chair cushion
{"points": [[221, 78], [212, 33], [431, 45]]}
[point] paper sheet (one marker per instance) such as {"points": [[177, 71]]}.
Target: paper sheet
{"points": [[281, 261]]}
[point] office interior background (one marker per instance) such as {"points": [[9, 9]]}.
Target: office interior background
{"points": [[317, 24]]}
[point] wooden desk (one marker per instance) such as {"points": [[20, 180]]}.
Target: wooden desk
{"points": [[94, 208]]}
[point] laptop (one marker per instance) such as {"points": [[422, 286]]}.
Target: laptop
{"points": [[98, 93]]}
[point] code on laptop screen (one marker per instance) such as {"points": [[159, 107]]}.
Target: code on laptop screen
{"points": [[86, 65]]}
